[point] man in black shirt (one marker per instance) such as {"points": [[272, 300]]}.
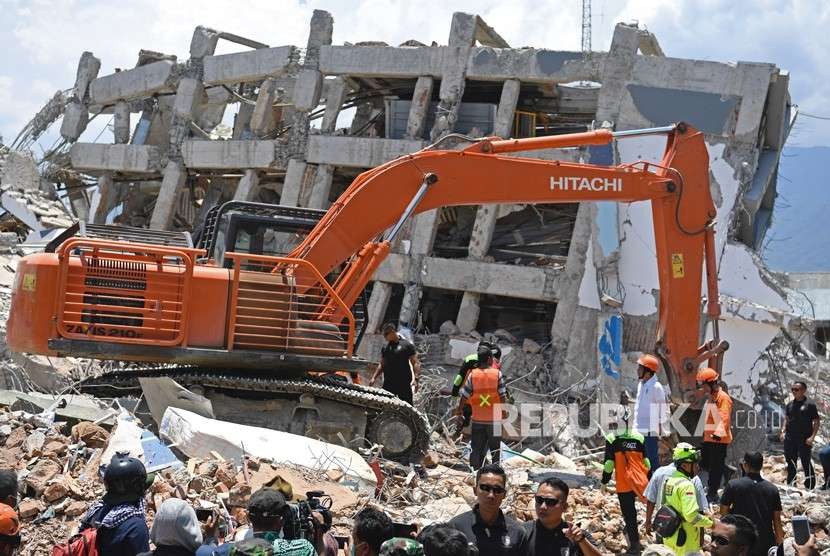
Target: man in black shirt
{"points": [[486, 526], [757, 499], [550, 534], [398, 362], [801, 423]]}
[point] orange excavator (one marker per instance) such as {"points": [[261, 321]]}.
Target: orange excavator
{"points": [[241, 315]]}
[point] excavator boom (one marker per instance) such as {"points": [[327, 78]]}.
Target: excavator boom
{"points": [[678, 188]]}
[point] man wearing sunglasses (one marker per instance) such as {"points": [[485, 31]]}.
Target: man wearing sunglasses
{"points": [[550, 534], [801, 423], [734, 535], [486, 526]]}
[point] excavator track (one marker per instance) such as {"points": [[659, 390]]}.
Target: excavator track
{"points": [[403, 431]]}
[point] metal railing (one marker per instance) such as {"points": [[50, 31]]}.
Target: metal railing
{"points": [[283, 304], [124, 292]]}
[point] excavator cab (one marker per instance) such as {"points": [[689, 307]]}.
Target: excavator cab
{"points": [[253, 228]]}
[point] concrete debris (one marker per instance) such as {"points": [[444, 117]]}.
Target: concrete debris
{"points": [[198, 436]]}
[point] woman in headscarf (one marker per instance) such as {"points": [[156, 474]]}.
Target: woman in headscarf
{"points": [[175, 530]]}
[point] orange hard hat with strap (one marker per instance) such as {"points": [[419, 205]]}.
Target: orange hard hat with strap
{"points": [[649, 362], [707, 375]]}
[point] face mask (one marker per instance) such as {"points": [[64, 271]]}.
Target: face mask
{"points": [[353, 547]]}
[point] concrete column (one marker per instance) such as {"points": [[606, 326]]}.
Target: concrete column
{"points": [[376, 308], [76, 112], [486, 216], [423, 236], [262, 118], [212, 196], [108, 196], [79, 203], [171, 184], [247, 187], [203, 42], [419, 109], [75, 120], [321, 188], [293, 183], [88, 67], [462, 38], [242, 122], [121, 122], [569, 282], [335, 97]]}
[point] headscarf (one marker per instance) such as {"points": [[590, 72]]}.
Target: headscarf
{"points": [[176, 524]]}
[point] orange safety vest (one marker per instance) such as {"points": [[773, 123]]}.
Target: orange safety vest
{"points": [[485, 395], [718, 414]]}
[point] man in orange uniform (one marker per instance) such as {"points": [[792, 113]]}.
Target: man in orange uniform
{"points": [[625, 455], [717, 432], [485, 391]]}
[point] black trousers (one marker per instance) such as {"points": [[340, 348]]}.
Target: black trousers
{"points": [[403, 392], [795, 449], [713, 459], [483, 438], [629, 512]]}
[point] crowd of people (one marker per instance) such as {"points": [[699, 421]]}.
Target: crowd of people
{"points": [[742, 519], [750, 521]]}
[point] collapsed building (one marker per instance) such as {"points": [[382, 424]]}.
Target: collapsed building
{"points": [[294, 126]]}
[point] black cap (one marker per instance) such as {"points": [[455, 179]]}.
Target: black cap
{"points": [[267, 503]]}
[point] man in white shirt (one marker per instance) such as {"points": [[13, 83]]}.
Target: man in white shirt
{"points": [[651, 410]]}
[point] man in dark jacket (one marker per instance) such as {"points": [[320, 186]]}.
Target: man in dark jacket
{"points": [[757, 499], [119, 516], [486, 526]]}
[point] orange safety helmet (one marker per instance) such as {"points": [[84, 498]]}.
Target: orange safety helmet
{"points": [[649, 362], [707, 375]]}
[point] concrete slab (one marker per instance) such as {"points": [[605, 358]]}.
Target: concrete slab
{"points": [[228, 154], [197, 436], [77, 408], [133, 83], [357, 152], [712, 113], [482, 63], [241, 67], [479, 277], [529, 65], [121, 158]]}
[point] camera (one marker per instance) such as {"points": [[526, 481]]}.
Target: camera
{"points": [[298, 523]]}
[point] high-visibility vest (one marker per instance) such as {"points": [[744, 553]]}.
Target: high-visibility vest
{"points": [[485, 398]]}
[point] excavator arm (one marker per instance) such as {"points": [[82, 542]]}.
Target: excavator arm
{"points": [[678, 188]]}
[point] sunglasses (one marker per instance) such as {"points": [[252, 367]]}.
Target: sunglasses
{"points": [[492, 488], [720, 540], [543, 501], [795, 389]]}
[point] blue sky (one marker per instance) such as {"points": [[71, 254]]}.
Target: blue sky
{"points": [[43, 39]]}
